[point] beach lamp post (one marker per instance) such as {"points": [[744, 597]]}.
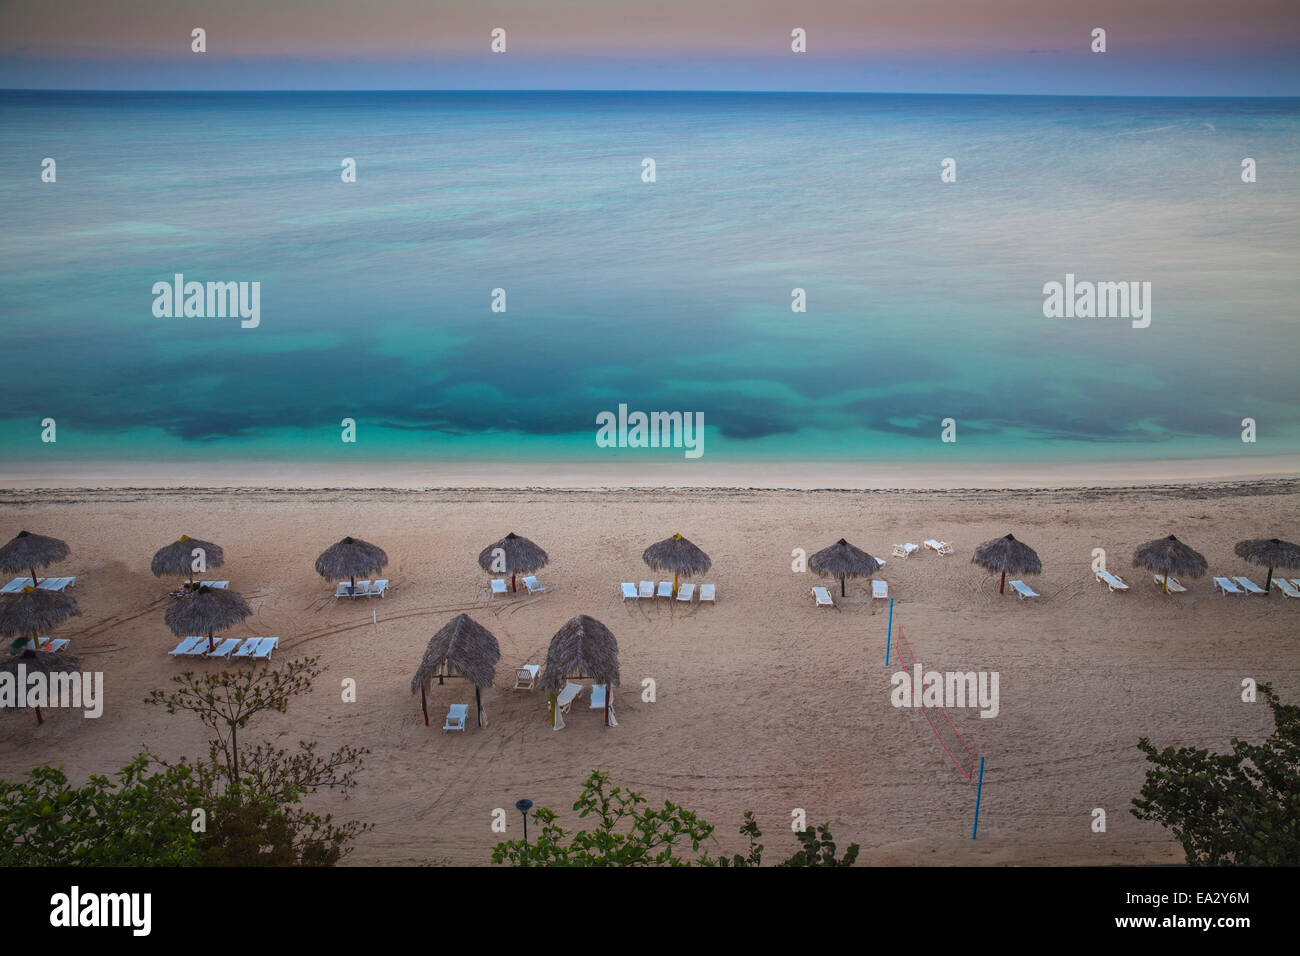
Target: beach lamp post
{"points": [[523, 806]]}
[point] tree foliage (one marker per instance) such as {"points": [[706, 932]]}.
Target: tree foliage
{"points": [[1238, 808]]}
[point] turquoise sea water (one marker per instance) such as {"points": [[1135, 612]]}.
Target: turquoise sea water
{"points": [[924, 298]]}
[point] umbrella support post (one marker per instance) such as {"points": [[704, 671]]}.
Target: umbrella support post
{"points": [[513, 587], [1268, 585], [39, 719], [843, 593], [1002, 588], [35, 583], [1164, 584], [424, 705]]}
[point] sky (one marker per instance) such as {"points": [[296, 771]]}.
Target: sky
{"points": [[1154, 47]]}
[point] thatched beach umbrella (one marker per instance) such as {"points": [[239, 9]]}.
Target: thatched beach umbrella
{"points": [[1166, 556], [461, 648], [27, 552], [512, 555], [582, 648], [206, 611], [1270, 552], [678, 555], [37, 662], [351, 557], [842, 560], [1008, 556], [177, 558], [31, 611]]}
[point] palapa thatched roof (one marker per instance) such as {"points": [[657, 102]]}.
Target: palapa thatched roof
{"points": [[43, 662], [465, 645], [206, 611], [1007, 556], [33, 611], [582, 646], [27, 551], [678, 555], [1270, 552], [843, 560], [1170, 556], [351, 558], [521, 556], [177, 557]]}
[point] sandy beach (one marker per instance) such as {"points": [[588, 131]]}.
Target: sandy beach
{"points": [[764, 702]]}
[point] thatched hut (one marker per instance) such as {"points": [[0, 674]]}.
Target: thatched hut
{"points": [[678, 555], [206, 611], [1271, 553], [178, 557], [31, 611], [1166, 556], [349, 558], [583, 648], [27, 552], [1008, 556], [461, 648], [842, 560], [23, 662], [512, 555]]}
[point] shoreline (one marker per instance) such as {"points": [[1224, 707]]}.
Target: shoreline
{"points": [[595, 476]]}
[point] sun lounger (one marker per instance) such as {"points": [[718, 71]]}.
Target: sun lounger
{"points": [[526, 676], [597, 696], [219, 585], [942, 547], [629, 590], [823, 597], [534, 586], [567, 696], [1023, 590], [686, 592], [1226, 586], [905, 550], [498, 586], [1295, 582], [1113, 581], [345, 590], [265, 647], [1172, 586], [879, 590], [190, 647], [1291, 590], [647, 589], [708, 592], [456, 715], [54, 646], [1249, 586], [225, 648], [379, 587], [45, 584], [665, 589]]}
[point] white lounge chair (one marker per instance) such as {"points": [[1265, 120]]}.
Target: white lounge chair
{"points": [[665, 589], [647, 589], [526, 676], [265, 647], [1226, 586], [45, 584], [534, 586], [1023, 590], [224, 648], [379, 587], [1170, 585], [456, 715], [686, 592], [346, 590], [942, 547], [879, 590], [219, 585], [1249, 586], [54, 646], [498, 586], [823, 597], [1288, 588], [708, 592], [565, 698], [1112, 581], [905, 550], [597, 696], [190, 647], [629, 590]]}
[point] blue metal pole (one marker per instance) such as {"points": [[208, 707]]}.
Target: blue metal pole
{"points": [[978, 790]]}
